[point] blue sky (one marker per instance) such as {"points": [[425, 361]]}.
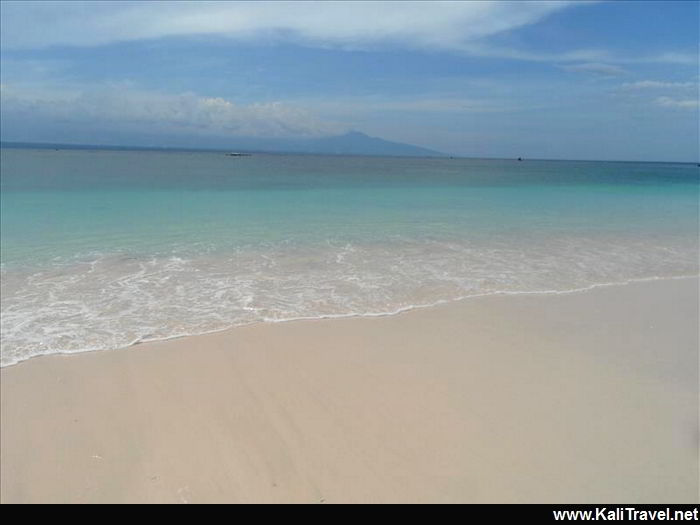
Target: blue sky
{"points": [[581, 80]]}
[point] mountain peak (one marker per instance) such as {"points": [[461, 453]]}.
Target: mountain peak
{"points": [[358, 143], [355, 133]]}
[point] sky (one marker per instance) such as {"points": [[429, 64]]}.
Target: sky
{"points": [[599, 80]]}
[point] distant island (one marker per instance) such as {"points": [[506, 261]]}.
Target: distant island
{"points": [[357, 143], [351, 143]]}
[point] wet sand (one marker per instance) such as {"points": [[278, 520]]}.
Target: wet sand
{"points": [[582, 397]]}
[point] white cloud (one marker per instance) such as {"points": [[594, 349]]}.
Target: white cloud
{"points": [[168, 112], [656, 84], [669, 102], [459, 26], [596, 68], [349, 106], [690, 59], [434, 25]]}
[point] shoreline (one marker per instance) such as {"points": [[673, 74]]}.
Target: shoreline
{"points": [[370, 315], [566, 397]]}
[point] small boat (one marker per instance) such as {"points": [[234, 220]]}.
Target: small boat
{"points": [[236, 154]]}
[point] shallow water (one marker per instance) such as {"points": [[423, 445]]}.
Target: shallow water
{"points": [[100, 249]]}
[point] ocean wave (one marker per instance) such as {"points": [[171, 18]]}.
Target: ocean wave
{"points": [[107, 301]]}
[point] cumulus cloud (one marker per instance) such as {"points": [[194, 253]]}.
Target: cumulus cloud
{"points": [[435, 25], [670, 102], [167, 112], [597, 68]]}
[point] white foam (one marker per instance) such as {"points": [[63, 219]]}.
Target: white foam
{"points": [[101, 302]]}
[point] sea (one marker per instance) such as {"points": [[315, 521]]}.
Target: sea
{"points": [[105, 248]]}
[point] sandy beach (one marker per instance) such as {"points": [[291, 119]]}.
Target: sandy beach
{"points": [[581, 397]]}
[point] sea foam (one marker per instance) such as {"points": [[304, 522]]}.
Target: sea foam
{"points": [[107, 301]]}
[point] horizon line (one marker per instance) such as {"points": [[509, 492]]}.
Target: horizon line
{"points": [[79, 146]]}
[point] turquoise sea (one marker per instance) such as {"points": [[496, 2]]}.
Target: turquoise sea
{"points": [[100, 249]]}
